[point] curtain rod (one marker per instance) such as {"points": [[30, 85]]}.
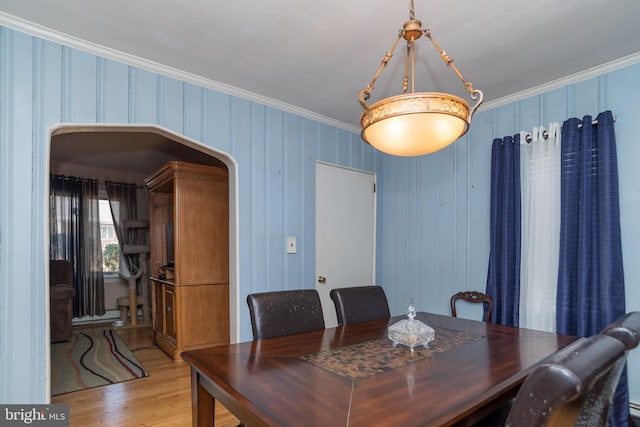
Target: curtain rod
{"points": [[545, 135], [595, 122]]}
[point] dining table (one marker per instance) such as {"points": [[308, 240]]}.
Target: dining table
{"points": [[354, 375]]}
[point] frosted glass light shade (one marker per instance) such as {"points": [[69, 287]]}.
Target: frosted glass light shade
{"points": [[415, 124]]}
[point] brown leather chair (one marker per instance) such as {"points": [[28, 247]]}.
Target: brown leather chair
{"points": [[61, 295], [279, 313], [360, 304], [626, 329], [474, 297], [573, 387]]}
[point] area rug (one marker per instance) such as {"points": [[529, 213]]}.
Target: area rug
{"points": [[92, 358]]}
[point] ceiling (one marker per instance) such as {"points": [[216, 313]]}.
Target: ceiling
{"points": [[315, 56], [142, 150]]}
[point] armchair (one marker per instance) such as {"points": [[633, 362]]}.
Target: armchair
{"points": [[61, 295]]}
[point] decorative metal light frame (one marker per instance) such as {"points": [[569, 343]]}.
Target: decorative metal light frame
{"points": [[414, 124]]}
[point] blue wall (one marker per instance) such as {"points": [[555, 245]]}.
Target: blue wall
{"points": [[434, 227], [432, 211]]}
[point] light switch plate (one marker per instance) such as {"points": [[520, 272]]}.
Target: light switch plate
{"points": [[291, 245]]}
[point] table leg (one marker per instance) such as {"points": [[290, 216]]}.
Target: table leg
{"points": [[202, 403]]}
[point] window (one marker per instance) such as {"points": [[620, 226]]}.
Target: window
{"points": [[111, 257], [107, 232]]}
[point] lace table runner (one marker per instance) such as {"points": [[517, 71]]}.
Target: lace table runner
{"points": [[372, 357]]}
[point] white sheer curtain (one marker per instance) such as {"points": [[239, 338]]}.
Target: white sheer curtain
{"points": [[540, 185]]}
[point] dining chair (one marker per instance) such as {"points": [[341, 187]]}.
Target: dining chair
{"points": [[473, 297], [360, 304], [574, 386], [626, 329], [279, 313]]}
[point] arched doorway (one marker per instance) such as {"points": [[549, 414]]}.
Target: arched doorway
{"points": [[140, 150]]}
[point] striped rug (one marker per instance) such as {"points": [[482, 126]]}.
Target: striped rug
{"points": [[92, 358]]}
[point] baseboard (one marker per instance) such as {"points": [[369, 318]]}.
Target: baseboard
{"points": [[634, 408], [110, 315]]}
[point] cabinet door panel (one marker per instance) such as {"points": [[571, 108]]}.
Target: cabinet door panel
{"points": [[161, 213], [158, 321], [170, 312], [203, 315], [202, 240]]}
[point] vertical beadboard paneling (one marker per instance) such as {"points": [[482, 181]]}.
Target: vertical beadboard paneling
{"points": [[114, 92], [427, 233], [585, 98], [217, 122], [51, 86], [505, 120], [446, 225], [260, 198], [529, 114], [384, 199], [275, 199], [80, 74], [343, 148], [171, 100], [413, 240], [479, 188], [242, 119], [6, 217], [309, 143], [396, 232], [359, 158], [326, 143], [40, 183], [461, 231], [293, 194], [49, 101], [556, 106], [381, 200], [370, 156], [144, 92], [603, 92], [25, 299], [194, 112]]}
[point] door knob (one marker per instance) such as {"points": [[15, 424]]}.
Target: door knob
{"points": [[322, 279]]}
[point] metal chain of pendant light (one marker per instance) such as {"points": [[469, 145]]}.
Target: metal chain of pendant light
{"points": [[414, 124]]}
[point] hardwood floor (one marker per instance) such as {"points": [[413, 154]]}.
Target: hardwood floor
{"points": [[161, 399]]}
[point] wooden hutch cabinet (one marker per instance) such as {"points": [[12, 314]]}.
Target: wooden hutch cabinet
{"points": [[189, 264]]}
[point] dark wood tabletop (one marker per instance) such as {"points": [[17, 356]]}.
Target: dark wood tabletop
{"points": [[353, 376]]}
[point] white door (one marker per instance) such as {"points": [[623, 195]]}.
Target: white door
{"points": [[345, 232]]}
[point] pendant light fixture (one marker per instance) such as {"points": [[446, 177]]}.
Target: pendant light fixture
{"points": [[414, 124]]}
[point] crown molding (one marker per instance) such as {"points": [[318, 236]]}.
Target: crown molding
{"points": [[49, 34], [598, 70], [36, 30]]}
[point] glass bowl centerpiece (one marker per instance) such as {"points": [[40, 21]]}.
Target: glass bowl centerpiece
{"points": [[411, 332]]}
